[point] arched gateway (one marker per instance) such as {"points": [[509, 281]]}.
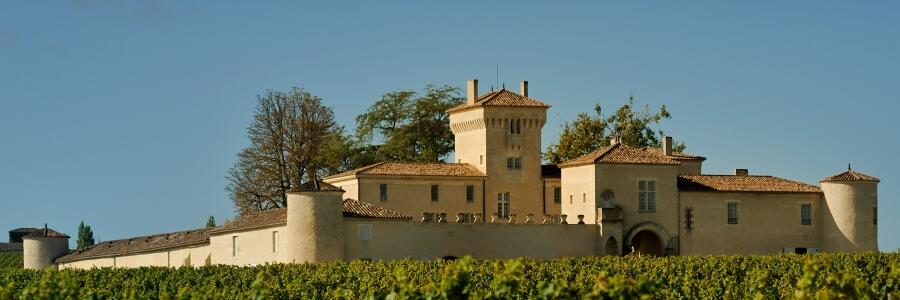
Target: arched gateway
{"points": [[648, 239]]}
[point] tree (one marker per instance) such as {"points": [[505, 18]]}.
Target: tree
{"points": [[591, 132], [409, 126], [85, 236], [211, 222], [290, 136]]}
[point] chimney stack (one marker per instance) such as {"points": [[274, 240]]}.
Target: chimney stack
{"points": [[741, 172], [472, 91], [667, 146], [523, 87]]}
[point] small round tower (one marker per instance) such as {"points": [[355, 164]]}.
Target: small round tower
{"points": [[41, 247], [850, 216], [315, 223]]}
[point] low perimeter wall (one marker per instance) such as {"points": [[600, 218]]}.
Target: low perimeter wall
{"points": [[369, 239]]}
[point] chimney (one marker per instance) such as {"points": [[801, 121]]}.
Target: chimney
{"points": [[741, 172], [524, 88], [667, 146], [472, 91]]}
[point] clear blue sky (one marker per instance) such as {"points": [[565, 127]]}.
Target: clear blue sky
{"points": [[128, 114]]}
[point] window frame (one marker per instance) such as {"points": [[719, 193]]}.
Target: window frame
{"points": [[382, 192], [234, 247], [737, 212], [557, 194], [435, 193], [470, 193], [646, 190], [503, 200], [807, 219]]}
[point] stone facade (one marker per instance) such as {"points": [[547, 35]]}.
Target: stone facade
{"points": [[496, 200]]}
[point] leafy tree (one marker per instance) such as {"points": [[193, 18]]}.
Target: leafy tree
{"points": [[211, 222], [290, 136], [591, 132], [85, 236], [411, 127]]}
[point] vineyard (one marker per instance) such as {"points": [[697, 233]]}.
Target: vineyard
{"points": [[854, 276], [10, 260]]}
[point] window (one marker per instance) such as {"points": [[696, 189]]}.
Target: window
{"points": [[646, 195], [274, 241], [515, 126], [503, 205], [382, 192], [434, 193], [513, 163], [733, 213], [875, 215], [805, 214], [570, 198], [234, 246], [583, 197], [557, 194], [481, 159], [470, 193]]}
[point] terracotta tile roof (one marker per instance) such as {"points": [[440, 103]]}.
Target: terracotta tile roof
{"points": [[260, 219], [139, 244], [679, 156], [415, 169], [851, 175], [45, 232], [502, 97], [316, 186], [360, 209], [622, 154], [742, 183], [278, 217]]}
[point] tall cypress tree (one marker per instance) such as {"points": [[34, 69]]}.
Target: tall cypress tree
{"points": [[85, 236], [211, 222]]}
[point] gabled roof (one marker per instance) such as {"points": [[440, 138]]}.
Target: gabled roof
{"points": [[502, 97], [139, 244], [622, 154], [742, 183], [415, 169], [851, 175], [678, 155]]}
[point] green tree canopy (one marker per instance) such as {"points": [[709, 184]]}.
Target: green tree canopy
{"points": [[590, 132], [290, 139], [85, 236], [211, 222], [410, 126]]}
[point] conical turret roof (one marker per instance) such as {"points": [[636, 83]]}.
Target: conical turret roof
{"points": [[851, 175]]}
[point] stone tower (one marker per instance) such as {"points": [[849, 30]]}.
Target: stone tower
{"points": [[500, 134], [315, 223], [43, 246], [850, 216]]}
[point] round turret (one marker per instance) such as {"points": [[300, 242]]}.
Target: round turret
{"points": [[315, 228], [41, 247], [850, 215]]}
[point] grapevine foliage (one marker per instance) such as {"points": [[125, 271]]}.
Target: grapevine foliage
{"points": [[822, 276]]}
